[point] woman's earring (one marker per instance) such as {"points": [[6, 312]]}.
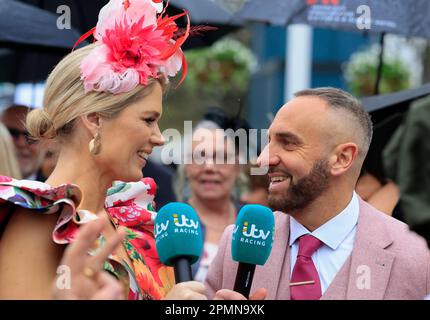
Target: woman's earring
{"points": [[95, 144]]}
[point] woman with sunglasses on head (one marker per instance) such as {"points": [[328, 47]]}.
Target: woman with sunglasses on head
{"points": [[102, 104], [210, 181]]}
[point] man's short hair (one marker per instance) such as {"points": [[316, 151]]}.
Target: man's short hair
{"points": [[341, 100]]}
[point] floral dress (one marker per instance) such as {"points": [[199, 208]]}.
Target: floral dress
{"points": [[131, 207]]}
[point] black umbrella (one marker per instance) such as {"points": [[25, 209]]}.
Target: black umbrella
{"points": [[374, 16], [25, 26], [205, 12], [384, 105], [30, 40], [389, 16], [388, 112], [85, 13]]}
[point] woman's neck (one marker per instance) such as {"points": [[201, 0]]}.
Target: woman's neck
{"points": [[84, 173], [214, 212]]}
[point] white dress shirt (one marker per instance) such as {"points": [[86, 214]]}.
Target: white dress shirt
{"points": [[337, 235]]}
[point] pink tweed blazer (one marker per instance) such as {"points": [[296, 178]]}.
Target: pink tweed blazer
{"points": [[388, 261]]}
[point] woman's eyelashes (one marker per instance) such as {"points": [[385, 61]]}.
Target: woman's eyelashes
{"points": [[150, 120]]}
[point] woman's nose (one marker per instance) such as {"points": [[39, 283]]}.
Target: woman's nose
{"points": [[157, 138], [209, 164]]}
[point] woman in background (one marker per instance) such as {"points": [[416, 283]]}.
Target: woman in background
{"points": [[212, 185]]}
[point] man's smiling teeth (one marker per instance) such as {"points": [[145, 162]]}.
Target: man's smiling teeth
{"points": [[278, 179]]}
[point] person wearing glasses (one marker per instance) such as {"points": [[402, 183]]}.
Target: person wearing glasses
{"points": [[210, 183], [30, 154]]}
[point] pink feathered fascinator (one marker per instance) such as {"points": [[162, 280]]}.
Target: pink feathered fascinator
{"points": [[135, 40]]}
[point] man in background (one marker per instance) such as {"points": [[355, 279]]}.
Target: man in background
{"points": [[29, 152]]}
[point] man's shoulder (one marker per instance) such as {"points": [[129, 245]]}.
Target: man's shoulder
{"points": [[382, 225]]}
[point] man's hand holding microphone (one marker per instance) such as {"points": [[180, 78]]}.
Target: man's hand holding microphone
{"points": [[251, 245]]}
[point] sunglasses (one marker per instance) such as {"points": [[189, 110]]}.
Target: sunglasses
{"points": [[16, 134]]}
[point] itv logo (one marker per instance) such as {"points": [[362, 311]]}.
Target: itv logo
{"points": [[185, 222], [254, 232], [161, 227]]}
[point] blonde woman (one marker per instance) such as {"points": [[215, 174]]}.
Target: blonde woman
{"points": [[8, 162], [102, 105]]}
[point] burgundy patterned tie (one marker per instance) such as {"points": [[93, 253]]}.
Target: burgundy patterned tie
{"points": [[304, 272]]}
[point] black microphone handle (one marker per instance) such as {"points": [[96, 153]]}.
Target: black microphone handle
{"points": [[244, 276], [182, 268]]}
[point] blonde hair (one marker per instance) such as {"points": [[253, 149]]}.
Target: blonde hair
{"points": [[65, 99], [8, 161]]}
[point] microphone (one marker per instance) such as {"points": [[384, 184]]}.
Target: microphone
{"points": [[251, 243], [178, 238]]}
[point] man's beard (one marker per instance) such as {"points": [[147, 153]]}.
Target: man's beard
{"points": [[301, 194]]}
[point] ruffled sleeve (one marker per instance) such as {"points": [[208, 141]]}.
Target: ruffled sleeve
{"points": [[130, 205], [41, 198]]}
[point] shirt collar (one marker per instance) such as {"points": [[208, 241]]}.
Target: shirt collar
{"points": [[334, 231]]}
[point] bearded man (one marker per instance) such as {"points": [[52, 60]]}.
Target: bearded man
{"points": [[329, 243]]}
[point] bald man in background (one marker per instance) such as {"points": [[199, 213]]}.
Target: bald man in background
{"points": [[329, 243], [29, 152]]}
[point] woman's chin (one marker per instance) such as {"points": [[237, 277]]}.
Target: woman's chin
{"points": [[132, 177]]}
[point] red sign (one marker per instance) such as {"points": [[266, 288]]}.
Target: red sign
{"points": [[324, 2]]}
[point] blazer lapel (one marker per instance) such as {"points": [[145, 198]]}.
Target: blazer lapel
{"points": [[370, 262], [272, 275], [283, 286], [366, 272]]}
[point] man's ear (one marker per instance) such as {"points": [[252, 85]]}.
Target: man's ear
{"points": [[93, 122], [343, 158]]}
